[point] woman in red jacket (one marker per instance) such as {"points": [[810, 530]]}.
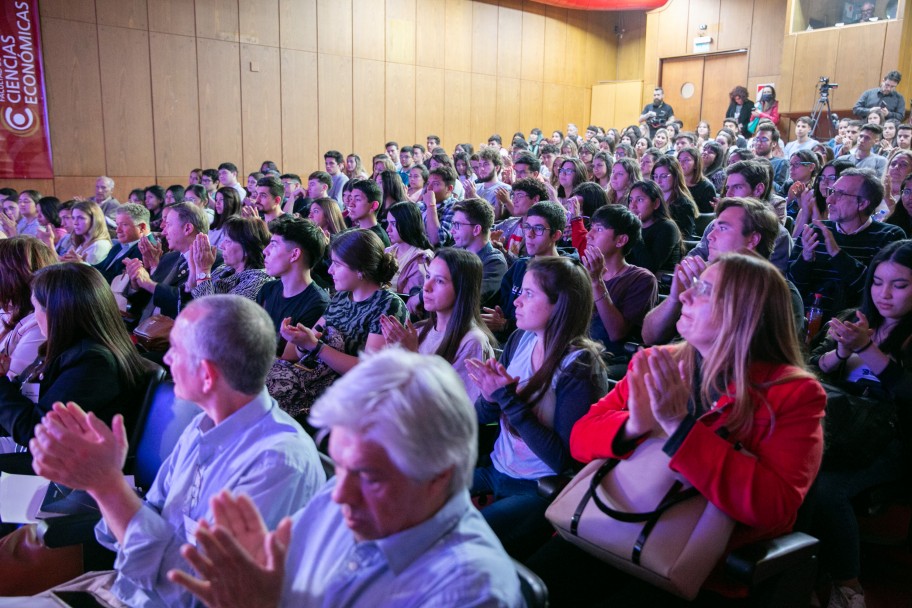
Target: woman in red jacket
{"points": [[740, 367]]}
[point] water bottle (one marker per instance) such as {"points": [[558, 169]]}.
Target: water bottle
{"points": [[814, 318]]}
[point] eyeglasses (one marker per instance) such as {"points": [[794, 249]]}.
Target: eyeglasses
{"points": [[538, 230], [567, 171], [701, 287], [840, 193], [661, 176], [460, 225], [762, 140], [829, 178], [800, 164]]}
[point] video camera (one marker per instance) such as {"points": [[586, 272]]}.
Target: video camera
{"points": [[826, 85]]}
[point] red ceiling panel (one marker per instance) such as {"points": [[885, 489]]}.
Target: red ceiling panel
{"points": [[606, 5]]}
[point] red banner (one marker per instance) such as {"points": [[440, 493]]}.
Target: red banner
{"points": [[25, 143]]}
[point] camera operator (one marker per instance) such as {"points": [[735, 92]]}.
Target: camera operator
{"points": [[658, 113], [884, 100]]}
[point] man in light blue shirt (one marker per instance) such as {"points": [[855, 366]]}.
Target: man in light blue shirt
{"points": [[395, 527], [221, 349]]}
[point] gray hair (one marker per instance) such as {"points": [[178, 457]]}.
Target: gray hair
{"points": [[137, 213], [237, 336], [188, 213], [107, 180], [415, 406]]}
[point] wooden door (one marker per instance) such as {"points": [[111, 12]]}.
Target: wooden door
{"points": [[697, 87]]}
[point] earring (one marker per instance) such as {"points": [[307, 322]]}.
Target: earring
{"points": [[360, 277]]}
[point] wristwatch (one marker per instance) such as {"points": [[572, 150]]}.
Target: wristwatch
{"points": [[203, 276]]}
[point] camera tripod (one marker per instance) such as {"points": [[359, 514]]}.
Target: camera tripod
{"points": [[823, 102]]}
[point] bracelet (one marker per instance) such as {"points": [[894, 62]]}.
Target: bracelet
{"points": [[836, 352], [601, 297], [864, 348], [316, 351]]}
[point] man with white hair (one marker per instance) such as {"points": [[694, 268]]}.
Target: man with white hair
{"points": [[104, 198], [222, 346], [395, 526]]}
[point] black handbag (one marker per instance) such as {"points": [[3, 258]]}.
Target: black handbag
{"points": [[860, 422]]}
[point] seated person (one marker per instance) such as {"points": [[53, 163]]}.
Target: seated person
{"points": [[661, 245], [741, 223], [739, 371], [132, 224], [701, 189], [547, 375], [471, 229], [409, 246], [241, 442], [242, 248], [20, 335], [543, 228], [403, 436], [868, 350], [91, 239], [832, 256], [436, 205], [526, 192], [454, 329], [363, 207], [360, 268], [624, 293], [668, 175], [88, 356]]}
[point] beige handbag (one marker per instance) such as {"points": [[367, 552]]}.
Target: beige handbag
{"points": [[644, 519]]}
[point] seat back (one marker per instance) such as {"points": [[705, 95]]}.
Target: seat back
{"points": [[166, 418], [702, 222], [532, 587]]}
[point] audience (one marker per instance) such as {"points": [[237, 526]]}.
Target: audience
{"points": [[242, 272]]}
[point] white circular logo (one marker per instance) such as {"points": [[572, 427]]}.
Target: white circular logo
{"points": [[19, 120]]}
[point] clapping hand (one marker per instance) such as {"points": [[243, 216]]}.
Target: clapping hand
{"points": [[397, 333], [489, 376], [302, 337], [203, 253], [151, 253], [851, 336]]}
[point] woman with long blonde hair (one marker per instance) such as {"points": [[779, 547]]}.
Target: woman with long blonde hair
{"points": [[91, 239]]}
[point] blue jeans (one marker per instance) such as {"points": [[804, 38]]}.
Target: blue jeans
{"points": [[517, 514]]}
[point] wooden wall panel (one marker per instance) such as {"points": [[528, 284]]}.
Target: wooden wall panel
{"points": [[600, 51], [705, 12], [73, 10], [823, 47], [576, 71], [430, 20], [553, 108], [506, 117], [429, 103], [736, 23], [456, 107], [484, 39], [217, 19], [334, 26], [123, 13], [370, 43], [126, 85], [483, 119], [576, 105], [334, 83], [765, 43], [122, 185], [604, 104], [677, 72], [533, 41], [784, 93], [509, 39], [555, 43], [219, 106], [175, 102], [298, 24], [628, 103], [859, 49], [400, 102], [631, 48], [74, 96], [368, 107], [259, 22], [400, 31], [45, 187], [530, 105], [172, 17], [261, 105], [300, 111], [673, 39], [458, 30], [891, 48], [719, 73]]}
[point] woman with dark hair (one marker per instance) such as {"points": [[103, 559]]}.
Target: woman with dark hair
{"points": [[547, 375], [467, 149], [196, 194], [767, 106], [740, 109], [701, 189], [571, 173], [713, 159], [812, 201], [360, 271], [585, 200], [227, 205], [418, 175], [393, 192], [902, 213], [601, 170], [668, 175], [704, 134], [587, 153], [454, 329], [640, 147], [88, 357], [557, 138], [648, 161], [174, 194], [243, 242], [252, 180], [462, 166], [803, 168], [154, 200], [195, 178], [410, 247], [324, 212], [138, 196], [899, 167], [870, 352], [734, 411], [624, 173], [660, 245], [268, 166], [625, 150], [20, 336], [49, 220]]}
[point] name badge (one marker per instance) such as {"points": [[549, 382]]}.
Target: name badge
{"points": [[31, 391]]}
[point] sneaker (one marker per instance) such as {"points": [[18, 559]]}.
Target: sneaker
{"points": [[846, 597]]}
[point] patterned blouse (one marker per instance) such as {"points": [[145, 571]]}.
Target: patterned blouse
{"points": [[225, 279]]}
